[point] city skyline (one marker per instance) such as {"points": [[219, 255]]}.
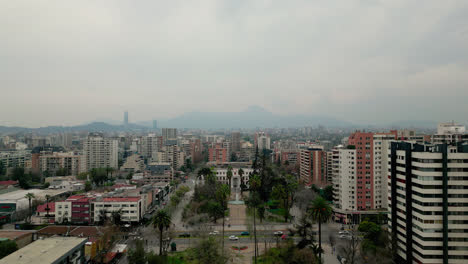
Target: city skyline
{"points": [[362, 62]]}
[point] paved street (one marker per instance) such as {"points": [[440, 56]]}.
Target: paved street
{"points": [[236, 223]]}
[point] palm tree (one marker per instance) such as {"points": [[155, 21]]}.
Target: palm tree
{"points": [[229, 175], [160, 221], [254, 183], [47, 205], [222, 195], [30, 196], [320, 212]]}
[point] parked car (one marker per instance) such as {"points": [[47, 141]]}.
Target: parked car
{"points": [[214, 233], [184, 235], [278, 233], [344, 233], [233, 238], [245, 233]]}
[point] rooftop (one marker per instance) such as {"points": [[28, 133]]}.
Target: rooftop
{"points": [[46, 250], [42, 208], [121, 199], [14, 234], [8, 182]]}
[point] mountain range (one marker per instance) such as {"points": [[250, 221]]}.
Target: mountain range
{"points": [[252, 117]]}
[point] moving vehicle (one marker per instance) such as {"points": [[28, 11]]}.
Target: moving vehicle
{"points": [[278, 233], [233, 238], [214, 233], [245, 233], [184, 235]]}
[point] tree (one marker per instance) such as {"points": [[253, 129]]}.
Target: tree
{"points": [[117, 217], [88, 186], [47, 205], [208, 250], [350, 249], [7, 247], [2, 168], [328, 193], [320, 212], [98, 176], [61, 172], [253, 202], [215, 210], [30, 196], [229, 174], [161, 221], [222, 195], [137, 255], [24, 180]]}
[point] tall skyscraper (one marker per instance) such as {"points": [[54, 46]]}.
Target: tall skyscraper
{"points": [[100, 152], [155, 124], [126, 118], [428, 202]]}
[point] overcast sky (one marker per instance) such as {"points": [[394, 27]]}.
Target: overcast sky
{"points": [[368, 61]]}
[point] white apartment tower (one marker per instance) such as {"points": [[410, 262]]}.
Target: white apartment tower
{"points": [[428, 202], [100, 152]]}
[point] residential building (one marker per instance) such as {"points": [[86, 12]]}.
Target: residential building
{"points": [[51, 162], [361, 181], [100, 152], [428, 202], [313, 167], [235, 141], [218, 153], [50, 250], [76, 209], [262, 140], [149, 145], [449, 132], [169, 135], [13, 159], [134, 163], [130, 208]]}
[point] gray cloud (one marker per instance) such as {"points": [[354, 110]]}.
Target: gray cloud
{"points": [[68, 62]]}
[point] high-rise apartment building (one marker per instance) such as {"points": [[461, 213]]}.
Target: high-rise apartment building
{"points": [[428, 202], [155, 124], [361, 182], [262, 141], [235, 141], [313, 167], [100, 152], [169, 135], [70, 162], [449, 132], [149, 145], [218, 153]]}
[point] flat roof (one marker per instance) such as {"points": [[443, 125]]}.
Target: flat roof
{"points": [[14, 234], [121, 199], [46, 250]]}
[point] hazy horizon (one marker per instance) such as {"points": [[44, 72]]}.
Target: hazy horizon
{"points": [[375, 62]]}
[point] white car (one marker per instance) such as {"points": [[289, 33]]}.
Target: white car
{"points": [[233, 238], [344, 233], [214, 233], [278, 233], [346, 237]]}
